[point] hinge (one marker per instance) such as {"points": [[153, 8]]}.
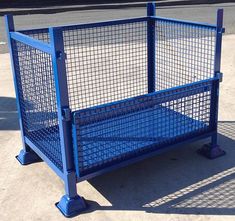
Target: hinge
{"points": [[66, 114], [219, 76]]}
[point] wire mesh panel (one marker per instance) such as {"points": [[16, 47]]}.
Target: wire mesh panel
{"points": [[37, 98], [105, 64], [117, 131], [184, 53]]}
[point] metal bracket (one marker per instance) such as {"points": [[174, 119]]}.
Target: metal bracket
{"points": [[61, 55], [66, 114], [219, 76]]}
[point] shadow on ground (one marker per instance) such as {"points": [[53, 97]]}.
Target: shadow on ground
{"points": [[8, 114], [178, 182]]}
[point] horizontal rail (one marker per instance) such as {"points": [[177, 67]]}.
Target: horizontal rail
{"points": [[122, 21], [201, 24], [31, 42], [91, 25]]}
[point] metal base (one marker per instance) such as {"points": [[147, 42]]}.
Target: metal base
{"points": [[211, 153], [71, 207], [26, 158]]}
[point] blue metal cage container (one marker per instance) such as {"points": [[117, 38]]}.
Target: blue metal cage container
{"points": [[94, 97]]}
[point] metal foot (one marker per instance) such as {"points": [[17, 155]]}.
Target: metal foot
{"points": [[211, 153], [26, 158], [71, 207]]}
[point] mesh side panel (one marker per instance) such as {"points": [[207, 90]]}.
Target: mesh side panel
{"points": [[38, 100], [105, 64], [118, 131], [184, 53]]}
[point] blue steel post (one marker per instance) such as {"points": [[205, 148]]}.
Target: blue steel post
{"points": [[213, 150], [151, 11], [26, 155], [71, 203]]}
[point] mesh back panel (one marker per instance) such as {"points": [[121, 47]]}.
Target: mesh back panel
{"points": [[105, 64], [184, 53], [38, 100]]}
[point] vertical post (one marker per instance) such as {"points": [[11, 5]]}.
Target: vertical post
{"points": [[215, 85], [212, 150], [151, 11], [26, 155], [71, 203]]}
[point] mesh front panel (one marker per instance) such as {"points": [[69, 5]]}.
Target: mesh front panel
{"points": [[37, 97], [184, 53], [119, 131]]}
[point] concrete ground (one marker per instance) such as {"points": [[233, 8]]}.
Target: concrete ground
{"points": [[178, 185]]}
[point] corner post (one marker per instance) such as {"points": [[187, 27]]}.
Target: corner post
{"points": [[71, 203], [213, 150], [151, 11], [26, 155]]}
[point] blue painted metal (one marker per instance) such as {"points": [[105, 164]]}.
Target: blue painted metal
{"points": [[110, 110], [31, 42], [151, 47], [197, 24], [85, 136], [139, 158], [71, 203], [213, 150], [101, 130], [26, 155], [93, 24]]}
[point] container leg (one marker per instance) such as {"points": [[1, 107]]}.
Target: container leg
{"points": [[71, 204], [27, 156], [211, 150]]}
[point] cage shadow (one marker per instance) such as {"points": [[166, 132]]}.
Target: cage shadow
{"points": [[8, 114], [179, 182]]}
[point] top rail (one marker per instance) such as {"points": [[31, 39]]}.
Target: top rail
{"points": [[92, 24], [31, 42], [200, 24], [124, 21]]}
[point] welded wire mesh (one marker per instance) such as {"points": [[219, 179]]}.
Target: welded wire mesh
{"points": [[106, 63], [121, 130], [184, 53], [36, 89]]}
